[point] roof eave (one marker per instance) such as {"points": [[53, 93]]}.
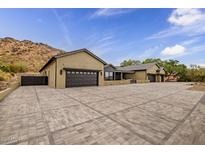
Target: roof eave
{"points": [[82, 50], [70, 53], [49, 61]]}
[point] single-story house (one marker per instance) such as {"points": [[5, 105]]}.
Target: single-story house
{"points": [[113, 73], [72, 69], [141, 72], [83, 68]]}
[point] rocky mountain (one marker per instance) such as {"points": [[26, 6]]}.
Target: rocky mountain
{"points": [[32, 55]]}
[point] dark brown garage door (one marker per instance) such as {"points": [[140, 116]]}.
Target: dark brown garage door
{"points": [[151, 78], [81, 78]]}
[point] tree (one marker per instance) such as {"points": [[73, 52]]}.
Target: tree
{"points": [[195, 74], [153, 60], [181, 71], [130, 62], [173, 67]]}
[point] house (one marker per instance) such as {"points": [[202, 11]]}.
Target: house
{"points": [[83, 68], [142, 72], [172, 77], [113, 73], [72, 69]]}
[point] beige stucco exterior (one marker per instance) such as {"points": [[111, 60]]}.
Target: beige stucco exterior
{"points": [[152, 70], [116, 82], [130, 76], [56, 69], [143, 74], [138, 75], [80, 60], [50, 72]]}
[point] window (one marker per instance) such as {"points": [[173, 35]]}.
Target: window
{"points": [[109, 75]]}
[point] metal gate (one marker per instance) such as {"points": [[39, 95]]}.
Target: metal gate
{"points": [[34, 80], [78, 78]]}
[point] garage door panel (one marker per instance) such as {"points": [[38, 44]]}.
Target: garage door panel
{"points": [[81, 78], [151, 78]]}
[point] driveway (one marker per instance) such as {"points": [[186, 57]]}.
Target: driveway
{"points": [[154, 113]]}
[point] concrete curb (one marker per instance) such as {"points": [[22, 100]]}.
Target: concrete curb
{"points": [[7, 91]]}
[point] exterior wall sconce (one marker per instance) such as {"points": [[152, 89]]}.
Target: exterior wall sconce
{"points": [[61, 72], [100, 73]]}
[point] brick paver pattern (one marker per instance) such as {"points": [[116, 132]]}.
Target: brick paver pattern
{"points": [[154, 113]]}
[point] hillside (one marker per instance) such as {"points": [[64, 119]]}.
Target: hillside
{"points": [[27, 53]]}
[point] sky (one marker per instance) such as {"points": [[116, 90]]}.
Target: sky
{"points": [[113, 34]]}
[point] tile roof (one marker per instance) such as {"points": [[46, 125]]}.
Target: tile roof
{"points": [[137, 67]]}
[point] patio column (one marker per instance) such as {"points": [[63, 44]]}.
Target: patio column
{"points": [[114, 74]]}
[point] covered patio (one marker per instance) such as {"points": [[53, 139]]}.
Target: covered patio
{"points": [[111, 73]]}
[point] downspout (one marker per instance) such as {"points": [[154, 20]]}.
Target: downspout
{"points": [[55, 72]]}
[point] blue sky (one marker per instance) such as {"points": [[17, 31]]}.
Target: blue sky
{"points": [[113, 34]]}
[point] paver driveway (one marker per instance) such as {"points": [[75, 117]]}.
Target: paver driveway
{"points": [[155, 113]]}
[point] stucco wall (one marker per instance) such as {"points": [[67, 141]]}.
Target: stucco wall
{"points": [[130, 76], [116, 82], [152, 70], [158, 78], [80, 60], [140, 75], [50, 72]]}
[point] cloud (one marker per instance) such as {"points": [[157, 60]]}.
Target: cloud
{"points": [[110, 12], [174, 50], [202, 65], [184, 17], [190, 41], [184, 23], [63, 27]]}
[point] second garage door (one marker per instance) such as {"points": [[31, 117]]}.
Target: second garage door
{"points": [[81, 78], [151, 78]]}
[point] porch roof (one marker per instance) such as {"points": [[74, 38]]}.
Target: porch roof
{"points": [[123, 71]]}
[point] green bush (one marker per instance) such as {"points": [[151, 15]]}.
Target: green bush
{"points": [[18, 68], [5, 67], [195, 75], [13, 68]]}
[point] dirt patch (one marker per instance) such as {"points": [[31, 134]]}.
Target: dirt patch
{"points": [[198, 87]]}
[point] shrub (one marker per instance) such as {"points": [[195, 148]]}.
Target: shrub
{"points": [[18, 68], [5, 67], [13, 68], [4, 76]]}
